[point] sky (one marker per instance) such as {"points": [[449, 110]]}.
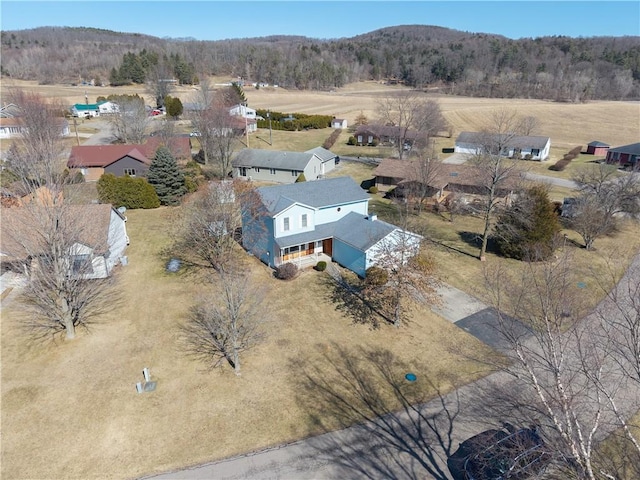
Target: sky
{"points": [[216, 20]]}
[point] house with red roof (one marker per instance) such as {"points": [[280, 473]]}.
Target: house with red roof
{"points": [[95, 160], [120, 160]]}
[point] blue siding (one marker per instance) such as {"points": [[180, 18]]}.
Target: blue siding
{"points": [[349, 257]]}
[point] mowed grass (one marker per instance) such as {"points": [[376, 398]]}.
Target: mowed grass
{"points": [[70, 409]]}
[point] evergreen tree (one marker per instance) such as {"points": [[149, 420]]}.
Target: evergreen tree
{"points": [[527, 229], [174, 106], [166, 177]]}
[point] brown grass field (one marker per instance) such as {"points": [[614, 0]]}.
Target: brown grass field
{"points": [[70, 409]]}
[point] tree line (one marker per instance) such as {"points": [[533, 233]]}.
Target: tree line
{"points": [[558, 67]]}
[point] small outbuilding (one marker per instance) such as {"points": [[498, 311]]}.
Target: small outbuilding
{"points": [[597, 148]]}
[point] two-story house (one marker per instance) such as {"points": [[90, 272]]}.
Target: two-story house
{"points": [[304, 222]]}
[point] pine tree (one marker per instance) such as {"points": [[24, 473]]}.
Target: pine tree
{"points": [[166, 177], [527, 229]]}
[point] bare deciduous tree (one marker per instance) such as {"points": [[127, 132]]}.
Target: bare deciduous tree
{"points": [[159, 82], [496, 172], [130, 123], [45, 235], [565, 376], [603, 195], [227, 322], [218, 131], [412, 114]]}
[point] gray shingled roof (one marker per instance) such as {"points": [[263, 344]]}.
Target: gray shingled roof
{"points": [[596, 143], [633, 149], [250, 157], [317, 194], [361, 233], [322, 153], [521, 141]]}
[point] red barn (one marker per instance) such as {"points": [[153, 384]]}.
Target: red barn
{"points": [[597, 148]]}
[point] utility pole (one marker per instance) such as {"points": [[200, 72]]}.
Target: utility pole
{"points": [[75, 124], [269, 117]]}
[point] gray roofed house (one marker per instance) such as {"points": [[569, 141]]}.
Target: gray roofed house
{"points": [[626, 155], [531, 147], [282, 166], [310, 221]]}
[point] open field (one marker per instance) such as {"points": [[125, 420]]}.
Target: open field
{"points": [[568, 125], [70, 409]]}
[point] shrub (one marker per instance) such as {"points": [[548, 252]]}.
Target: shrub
{"points": [[190, 184], [373, 189], [321, 266], [127, 192], [286, 271], [329, 142], [352, 141], [376, 276], [301, 178]]}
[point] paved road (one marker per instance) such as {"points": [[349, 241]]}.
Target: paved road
{"points": [[560, 182], [410, 444]]}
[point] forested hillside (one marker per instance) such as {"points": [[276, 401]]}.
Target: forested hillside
{"points": [[558, 68]]}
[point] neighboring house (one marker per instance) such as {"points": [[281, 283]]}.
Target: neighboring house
{"points": [[121, 160], [9, 110], [101, 243], [282, 167], [339, 123], [597, 148], [304, 222], [85, 110], [249, 116], [242, 111], [519, 146], [14, 127], [95, 160], [382, 134], [444, 179], [108, 108], [627, 155]]}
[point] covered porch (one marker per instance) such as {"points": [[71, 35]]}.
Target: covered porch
{"points": [[305, 254]]}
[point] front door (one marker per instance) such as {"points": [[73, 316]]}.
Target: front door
{"points": [[327, 246]]}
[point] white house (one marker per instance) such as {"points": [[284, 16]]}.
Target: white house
{"points": [[85, 110], [242, 111], [14, 127], [518, 146], [101, 239], [283, 166], [307, 221], [108, 108]]}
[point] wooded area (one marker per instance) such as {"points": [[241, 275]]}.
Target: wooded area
{"points": [[476, 64]]}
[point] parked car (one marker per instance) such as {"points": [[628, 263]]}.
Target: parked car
{"points": [[155, 112], [195, 133], [504, 454]]}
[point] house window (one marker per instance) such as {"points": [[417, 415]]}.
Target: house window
{"points": [[81, 264], [535, 152], [370, 138], [130, 171], [286, 224], [295, 173], [257, 169], [304, 220], [359, 138], [243, 171], [272, 171]]}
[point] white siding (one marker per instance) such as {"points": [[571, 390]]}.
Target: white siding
{"points": [[294, 214], [332, 214], [117, 240]]}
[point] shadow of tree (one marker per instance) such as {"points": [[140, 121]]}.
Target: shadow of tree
{"points": [[394, 433], [474, 239], [349, 298]]}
